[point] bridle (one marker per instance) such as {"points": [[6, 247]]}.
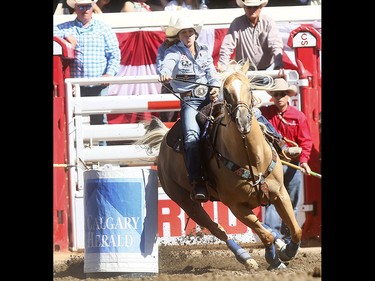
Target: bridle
{"points": [[241, 113]]}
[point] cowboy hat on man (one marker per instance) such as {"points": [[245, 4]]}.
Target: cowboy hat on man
{"points": [[72, 3], [251, 3], [281, 85]]}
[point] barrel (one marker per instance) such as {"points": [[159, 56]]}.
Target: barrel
{"points": [[121, 221]]}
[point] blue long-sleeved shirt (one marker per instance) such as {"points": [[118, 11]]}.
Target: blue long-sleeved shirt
{"points": [[97, 51], [178, 63], [160, 56]]}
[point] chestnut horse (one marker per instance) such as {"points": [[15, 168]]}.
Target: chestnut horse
{"points": [[242, 169]]}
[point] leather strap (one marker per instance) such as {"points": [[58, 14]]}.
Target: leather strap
{"points": [[186, 94]]}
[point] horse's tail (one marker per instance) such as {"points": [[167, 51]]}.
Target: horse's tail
{"points": [[155, 132]]}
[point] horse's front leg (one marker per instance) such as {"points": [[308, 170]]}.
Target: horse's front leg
{"points": [[285, 210], [271, 251], [247, 217]]}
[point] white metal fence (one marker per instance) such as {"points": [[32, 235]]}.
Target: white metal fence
{"points": [[83, 138]]}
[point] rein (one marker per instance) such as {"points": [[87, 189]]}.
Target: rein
{"points": [[191, 82], [237, 107]]}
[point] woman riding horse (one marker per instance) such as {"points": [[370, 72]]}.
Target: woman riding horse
{"points": [[192, 62], [243, 171]]}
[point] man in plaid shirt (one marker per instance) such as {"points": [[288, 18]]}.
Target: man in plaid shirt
{"points": [[97, 51]]}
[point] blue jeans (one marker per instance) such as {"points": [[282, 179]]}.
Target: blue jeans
{"points": [[292, 181], [264, 120], [191, 134]]}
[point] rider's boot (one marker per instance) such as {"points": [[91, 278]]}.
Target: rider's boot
{"points": [[200, 192]]}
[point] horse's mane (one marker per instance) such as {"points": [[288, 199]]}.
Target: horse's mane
{"points": [[256, 82]]}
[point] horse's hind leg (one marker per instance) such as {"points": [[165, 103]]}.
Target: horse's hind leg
{"points": [[194, 210]]}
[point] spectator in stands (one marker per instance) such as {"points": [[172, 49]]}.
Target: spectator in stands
{"points": [[157, 5], [170, 39], [277, 3], [293, 125], [254, 36], [136, 6], [114, 6], [222, 4], [178, 5], [67, 9], [101, 6], [190, 61], [97, 52], [106, 6]]}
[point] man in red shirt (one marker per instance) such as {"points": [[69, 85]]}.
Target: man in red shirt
{"points": [[292, 125]]}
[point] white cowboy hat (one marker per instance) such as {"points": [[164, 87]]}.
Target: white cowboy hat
{"points": [[279, 84], [182, 23], [72, 3], [242, 3], [169, 29]]}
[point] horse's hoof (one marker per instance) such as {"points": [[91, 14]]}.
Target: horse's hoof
{"points": [[282, 254], [280, 266], [288, 251], [251, 264]]}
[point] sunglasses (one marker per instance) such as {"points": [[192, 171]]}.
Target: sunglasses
{"points": [[252, 7], [87, 7], [279, 94]]}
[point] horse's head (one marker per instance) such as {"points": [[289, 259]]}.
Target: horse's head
{"points": [[238, 96]]}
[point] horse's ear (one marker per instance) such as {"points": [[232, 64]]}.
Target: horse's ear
{"points": [[245, 67]]}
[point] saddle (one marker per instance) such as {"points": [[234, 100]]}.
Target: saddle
{"points": [[175, 136]]}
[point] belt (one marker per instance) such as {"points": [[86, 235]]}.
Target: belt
{"points": [[199, 92]]}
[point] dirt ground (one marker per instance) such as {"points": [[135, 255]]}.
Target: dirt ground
{"points": [[200, 263]]}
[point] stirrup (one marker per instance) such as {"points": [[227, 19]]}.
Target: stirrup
{"points": [[199, 193]]}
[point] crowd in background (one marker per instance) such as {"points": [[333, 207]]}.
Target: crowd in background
{"points": [[116, 6]]}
